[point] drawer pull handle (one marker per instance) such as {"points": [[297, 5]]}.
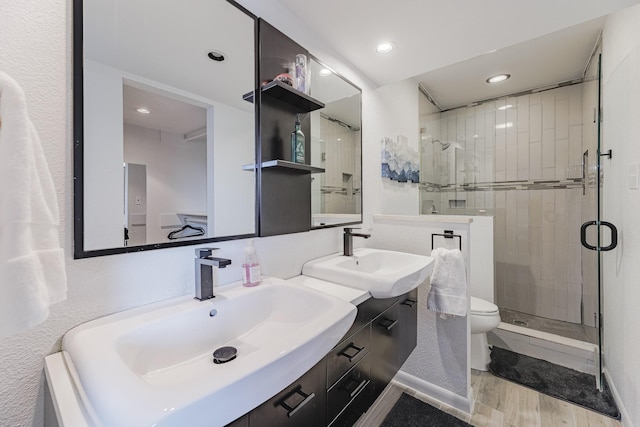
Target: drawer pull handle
{"points": [[307, 398], [358, 389], [351, 346], [409, 302], [389, 324]]}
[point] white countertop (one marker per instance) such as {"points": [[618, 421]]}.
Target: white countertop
{"points": [[345, 293]]}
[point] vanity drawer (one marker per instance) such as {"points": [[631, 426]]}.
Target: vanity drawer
{"points": [[369, 310], [353, 385], [303, 403], [347, 354]]}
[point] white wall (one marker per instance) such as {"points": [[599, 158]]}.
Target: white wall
{"points": [[621, 133], [388, 111]]}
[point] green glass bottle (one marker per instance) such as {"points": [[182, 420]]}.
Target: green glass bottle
{"points": [[297, 143]]}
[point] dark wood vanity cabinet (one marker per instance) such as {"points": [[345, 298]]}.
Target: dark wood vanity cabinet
{"points": [[408, 317], [346, 382], [391, 327]]}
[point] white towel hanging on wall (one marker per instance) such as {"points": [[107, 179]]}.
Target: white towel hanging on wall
{"points": [[448, 292], [32, 265]]}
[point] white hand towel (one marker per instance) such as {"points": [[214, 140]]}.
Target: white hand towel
{"points": [[448, 293], [32, 265]]}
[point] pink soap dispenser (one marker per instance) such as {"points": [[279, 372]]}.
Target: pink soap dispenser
{"points": [[250, 267]]}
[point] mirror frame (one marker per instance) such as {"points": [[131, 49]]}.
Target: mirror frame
{"points": [[343, 224], [78, 149]]}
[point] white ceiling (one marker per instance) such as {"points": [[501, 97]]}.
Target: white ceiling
{"points": [[552, 58], [166, 43], [432, 34], [165, 114]]}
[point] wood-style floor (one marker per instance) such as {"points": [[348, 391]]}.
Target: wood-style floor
{"points": [[497, 403]]}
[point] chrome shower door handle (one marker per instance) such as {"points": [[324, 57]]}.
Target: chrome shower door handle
{"points": [[614, 235], [585, 162]]}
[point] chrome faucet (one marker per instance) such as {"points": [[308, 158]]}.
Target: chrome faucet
{"points": [[348, 239], [206, 272]]}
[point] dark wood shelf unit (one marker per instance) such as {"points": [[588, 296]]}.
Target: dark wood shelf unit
{"points": [[285, 187], [280, 91]]}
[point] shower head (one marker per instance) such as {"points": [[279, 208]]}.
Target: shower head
{"points": [[444, 145]]}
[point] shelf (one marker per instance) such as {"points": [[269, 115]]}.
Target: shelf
{"points": [[285, 93], [285, 165]]}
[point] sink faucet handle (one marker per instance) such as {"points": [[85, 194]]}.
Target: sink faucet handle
{"points": [[350, 229], [205, 252]]}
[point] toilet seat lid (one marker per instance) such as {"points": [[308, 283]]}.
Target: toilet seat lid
{"points": [[480, 306]]}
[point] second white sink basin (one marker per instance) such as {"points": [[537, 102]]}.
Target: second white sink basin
{"points": [[385, 274], [152, 366]]}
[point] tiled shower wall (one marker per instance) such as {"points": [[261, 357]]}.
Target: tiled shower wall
{"points": [[518, 158], [340, 184]]}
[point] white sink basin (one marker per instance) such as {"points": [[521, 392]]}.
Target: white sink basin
{"points": [[384, 274], [152, 366]]}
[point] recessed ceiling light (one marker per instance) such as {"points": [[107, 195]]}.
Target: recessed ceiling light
{"points": [[505, 107], [216, 55], [143, 110], [385, 47], [339, 139], [498, 78], [325, 72]]}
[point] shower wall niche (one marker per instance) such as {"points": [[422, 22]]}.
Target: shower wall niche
{"points": [[517, 158]]}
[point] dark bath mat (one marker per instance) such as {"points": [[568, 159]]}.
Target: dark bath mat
{"points": [[411, 412], [557, 381]]}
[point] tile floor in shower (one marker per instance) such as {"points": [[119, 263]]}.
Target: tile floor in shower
{"points": [[565, 329]]}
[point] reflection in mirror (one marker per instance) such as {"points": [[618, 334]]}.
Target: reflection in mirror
{"points": [[168, 138], [336, 146], [166, 130]]}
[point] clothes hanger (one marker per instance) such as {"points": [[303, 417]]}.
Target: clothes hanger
{"points": [[199, 231]]}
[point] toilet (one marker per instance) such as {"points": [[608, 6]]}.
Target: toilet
{"points": [[484, 318]]}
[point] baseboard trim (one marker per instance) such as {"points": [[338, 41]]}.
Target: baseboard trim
{"points": [[625, 418], [464, 404]]}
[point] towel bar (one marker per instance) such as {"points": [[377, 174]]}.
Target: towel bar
{"points": [[448, 234]]}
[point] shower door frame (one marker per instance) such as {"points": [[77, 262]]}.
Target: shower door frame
{"points": [[598, 248]]}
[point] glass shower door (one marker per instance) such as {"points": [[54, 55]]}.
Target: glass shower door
{"points": [[593, 232]]}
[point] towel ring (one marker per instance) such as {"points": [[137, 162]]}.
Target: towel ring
{"points": [[448, 234]]}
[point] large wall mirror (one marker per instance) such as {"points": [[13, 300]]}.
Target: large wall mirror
{"points": [[161, 129], [336, 146]]}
